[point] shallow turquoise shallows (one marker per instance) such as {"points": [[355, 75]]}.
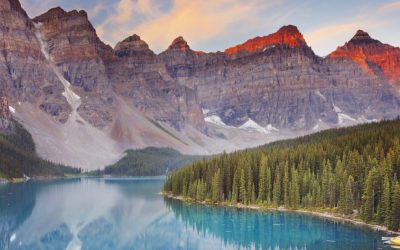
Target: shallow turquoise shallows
{"points": [[91, 213]]}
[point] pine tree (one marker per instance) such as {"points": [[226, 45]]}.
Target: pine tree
{"points": [[349, 200], [277, 189], [184, 188], [253, 194], [286, 185], [235, 187], [339, 177], [384, 204], [268, 188], [262, 184], [368, 198], [249, 183], [243, 193], [198, 191], [342, 195], [216, 186], [294, 190], [325, 184], [394, 222]]}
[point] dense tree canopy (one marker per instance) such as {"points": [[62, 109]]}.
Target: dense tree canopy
{"points": [[356, 168], [150, 161]]}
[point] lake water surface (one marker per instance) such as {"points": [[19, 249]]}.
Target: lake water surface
{"points": [[89, 213]]}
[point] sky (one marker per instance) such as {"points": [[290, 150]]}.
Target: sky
{"points": [[214, 25]]}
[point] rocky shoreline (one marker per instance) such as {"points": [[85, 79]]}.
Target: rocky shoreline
{"points": [[326, 215]]}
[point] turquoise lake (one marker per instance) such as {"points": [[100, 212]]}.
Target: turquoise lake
{"points": [[90, 213]]}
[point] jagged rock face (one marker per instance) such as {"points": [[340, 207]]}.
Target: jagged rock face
{"points": [[6, 124], [287, 35], [266, 87], [24, 73], [140, 76], [375, 58], [4, 110], [179, 59], [133, 47], [279, 80], [73, 46]]}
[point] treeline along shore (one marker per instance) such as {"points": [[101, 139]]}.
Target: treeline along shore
{"points": [[351, 172]]}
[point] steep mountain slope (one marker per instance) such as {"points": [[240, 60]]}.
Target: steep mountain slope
{"points": [[94, 102], [287, 35], [17, 151], [74, 48], [374, 57], [25, 74]]}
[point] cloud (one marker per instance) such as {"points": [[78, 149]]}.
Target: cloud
{"points": [[392, 6], [97, 10], [327, 38], [36, 8], [196, 20]]}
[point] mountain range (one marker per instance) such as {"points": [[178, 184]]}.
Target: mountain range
{"points": [[85, 103]]}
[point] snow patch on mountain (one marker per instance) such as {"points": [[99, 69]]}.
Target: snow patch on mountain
{"points": [[253, 126], [12, 110], [205, 111], [268, 47], [336, 109], [362, 119], [344, 117], [318, 93], [214, 119], [271, 128]]}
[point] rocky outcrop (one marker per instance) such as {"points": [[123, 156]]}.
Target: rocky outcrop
{"points": [[375, 58], [4, 108], [6, 124], [133, 47], [25, 75], [278, 80], [77, 52], [144, 80], [179, 59], [287, 35]]}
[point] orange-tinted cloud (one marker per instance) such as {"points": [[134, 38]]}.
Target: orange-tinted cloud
{"points": [[325, 39], [392, 6], [195, 20]]}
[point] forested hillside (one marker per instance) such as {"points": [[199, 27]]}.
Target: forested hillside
{"points": [[340, 170], [150, 161], [18, 157]]}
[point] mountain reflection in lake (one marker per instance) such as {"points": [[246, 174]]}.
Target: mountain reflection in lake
{"points": [[90, 213]]}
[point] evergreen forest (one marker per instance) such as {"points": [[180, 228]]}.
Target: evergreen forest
{"points": [[348, 171]]}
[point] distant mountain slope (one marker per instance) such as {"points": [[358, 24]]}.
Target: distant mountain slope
{"points": [[18, 152], [18, 157], [339, 170], [149, 162]]}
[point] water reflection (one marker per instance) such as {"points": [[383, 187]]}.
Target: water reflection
{"points": [[129, 214], [272, 230]]}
